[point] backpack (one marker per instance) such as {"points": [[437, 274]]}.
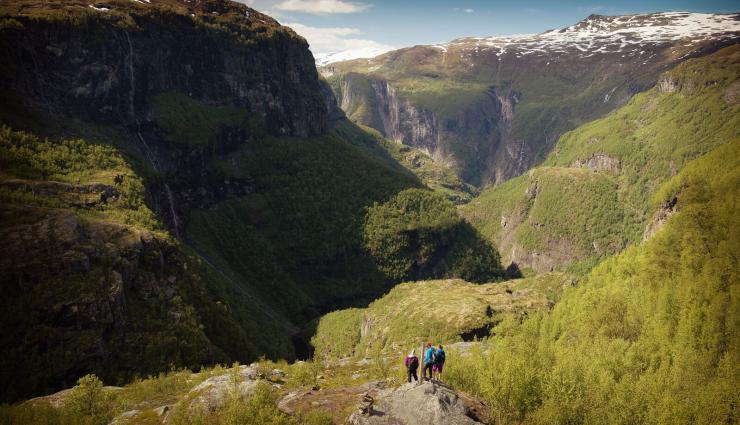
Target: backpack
{"points": [[429, 355], [440, 358], [414, 363]]}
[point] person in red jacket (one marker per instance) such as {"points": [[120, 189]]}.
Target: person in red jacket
{"points": [[412, 365]]}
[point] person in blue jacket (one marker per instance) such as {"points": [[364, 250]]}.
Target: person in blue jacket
{"points": [[428, 362]]}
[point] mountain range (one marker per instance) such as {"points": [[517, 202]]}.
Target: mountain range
{"points": [[490, 108]]}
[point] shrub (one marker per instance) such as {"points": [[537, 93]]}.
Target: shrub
{"points": [[89, 402]]}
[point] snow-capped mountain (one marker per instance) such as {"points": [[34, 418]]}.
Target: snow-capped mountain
{"points": [[343, 55], [611, 34], [596, 34]]}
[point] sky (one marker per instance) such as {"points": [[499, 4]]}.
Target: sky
{"points": [[337, 25]]}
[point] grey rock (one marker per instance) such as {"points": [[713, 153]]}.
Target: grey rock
{"points": [[598, 161], [214, 391], [429, 403]]}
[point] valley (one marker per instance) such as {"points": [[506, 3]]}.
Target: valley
{"points": [[204, 222]]}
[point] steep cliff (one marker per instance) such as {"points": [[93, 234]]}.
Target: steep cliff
{"points": [[104, 62]]}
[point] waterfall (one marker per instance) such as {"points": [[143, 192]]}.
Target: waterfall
{"points": [[132, 78], [171, 200], [147, 151]]}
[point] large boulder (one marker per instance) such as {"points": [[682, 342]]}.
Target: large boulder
{"points": [[214, 391], [428, 403]]}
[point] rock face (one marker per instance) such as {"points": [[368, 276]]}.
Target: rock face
{"points": [[597, 161], [484, 123], [138, 51], [659, 219], [429, 403]]}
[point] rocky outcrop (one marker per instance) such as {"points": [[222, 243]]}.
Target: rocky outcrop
{"points": [[213, 392], [660, 218], [555, 256], [598, 161], [732, 94], [428, 403], [666, 84]]}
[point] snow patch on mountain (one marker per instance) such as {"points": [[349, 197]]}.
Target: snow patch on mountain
{"points": [[343, 55]]}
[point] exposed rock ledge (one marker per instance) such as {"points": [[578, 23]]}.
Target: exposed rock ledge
{"points": [[598, 161], [660, 218]]}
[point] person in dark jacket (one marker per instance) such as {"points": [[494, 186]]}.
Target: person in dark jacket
{"points": [[439, 362], [412, 365], [428, 362]]}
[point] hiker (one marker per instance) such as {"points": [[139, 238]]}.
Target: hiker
{"points": [[428, 362], [439, 362], [412, 365]]}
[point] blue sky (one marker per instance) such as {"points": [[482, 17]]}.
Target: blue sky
{"points": [[331, 25]]}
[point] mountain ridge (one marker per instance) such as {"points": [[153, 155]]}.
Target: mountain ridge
{"points": [[532, 89]]}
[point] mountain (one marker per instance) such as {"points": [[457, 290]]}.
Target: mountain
{"points": [[178, 189], [592, 196], [490, 108]]}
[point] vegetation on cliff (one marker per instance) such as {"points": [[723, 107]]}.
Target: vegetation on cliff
{"points": [[419, 235]]}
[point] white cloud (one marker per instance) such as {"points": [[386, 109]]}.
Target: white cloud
{"points": [[321, 6], [468, 10], [328, 41]]}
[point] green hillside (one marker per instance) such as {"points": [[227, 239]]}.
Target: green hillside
{"points": [[434, 175], [591, 197], [441, 311], [649, 336]]}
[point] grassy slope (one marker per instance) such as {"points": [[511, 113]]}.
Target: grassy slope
{"points": [[440, 311], [598, 213], [649, 336]]}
